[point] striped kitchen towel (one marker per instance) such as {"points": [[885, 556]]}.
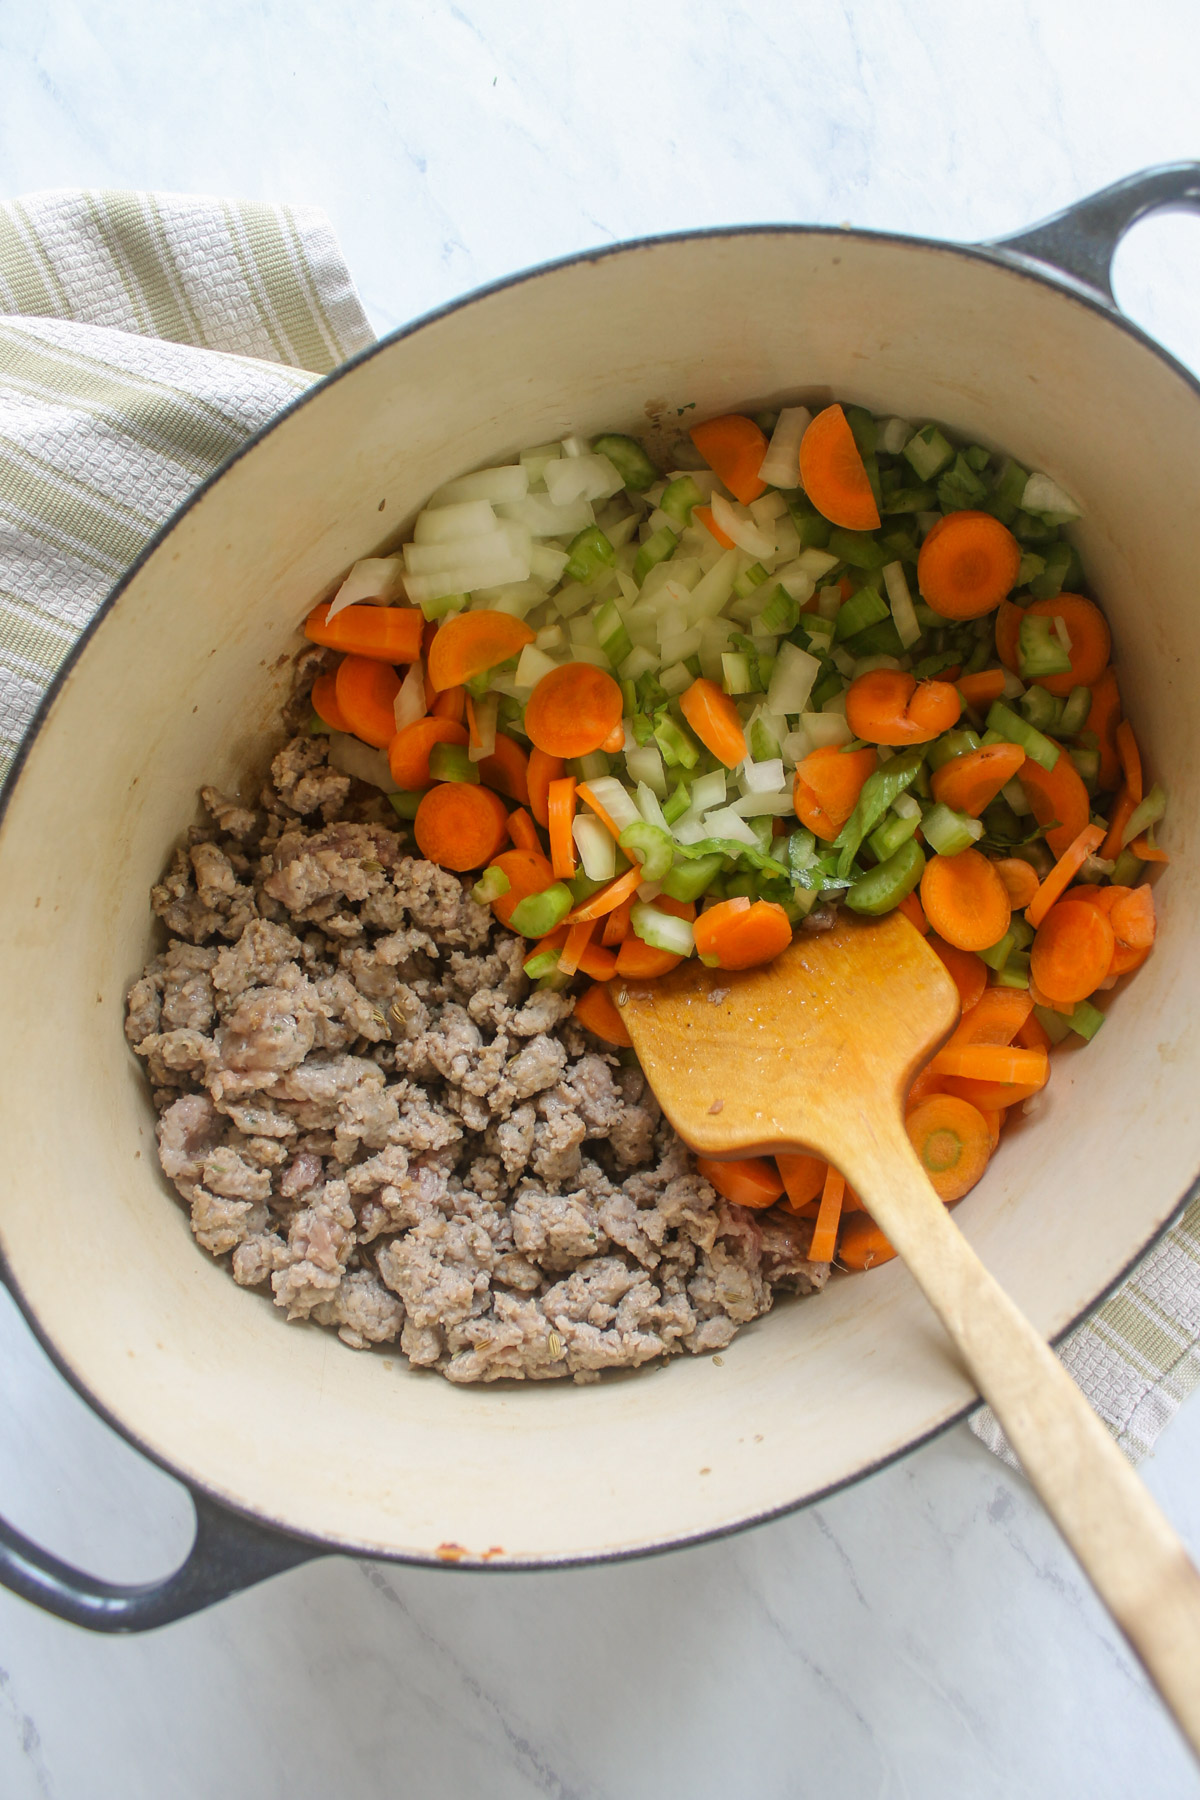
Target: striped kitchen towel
{"points": [[143, 338]]}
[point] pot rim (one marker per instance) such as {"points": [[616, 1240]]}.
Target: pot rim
{"points": [[1016, 264]]}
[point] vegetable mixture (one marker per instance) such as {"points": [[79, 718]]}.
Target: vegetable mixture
{"points": [[839, 660]]}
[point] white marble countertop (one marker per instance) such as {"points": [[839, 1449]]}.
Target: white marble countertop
{"points": [[925, 1633]]}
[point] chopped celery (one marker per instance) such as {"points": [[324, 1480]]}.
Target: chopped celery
{"points": [[1127, 870], [977, 457], [1051, 578], [406, 805], [588, 552], [997, 954], [451, 762], [649, 845], [1029, 566], [542, 962], [583, 885], [1056, 1025], [880, 639], [960, 487], [657, 548], [781, 613], [878, 792], [764, 745], [676, 805], [316, 725], [749, 579], [1021, 931], [736, 674], [928, 452], [948, 746], [1013, 729], [679, 497], [1028, 530], [909, 500], [1086, 1019], [1015, 973], [948, 832], [900, 598], [887, 838], [688, 880], [1041, 649], [444, 603], [862, 424], [867, 607], [662, 930], [490, 886], [858, 548], [1088, 764], [612, 634], [628, 459], [539, 914], [1010, 481], [734, 848], [812, 528], [1050, 502], [882, 890], [1075, 712], [931, 666], [1041, 709], [1148, 813]]}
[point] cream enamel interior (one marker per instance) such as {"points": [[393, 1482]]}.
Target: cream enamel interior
{"points": [[180, 683]]}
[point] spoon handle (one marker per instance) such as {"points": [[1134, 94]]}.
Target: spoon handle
{"points": [[1127, 1548]]}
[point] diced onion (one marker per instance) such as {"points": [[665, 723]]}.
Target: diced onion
{"points": [[497, 486], [409, 704], [533, 664], [893, 435], [445, 524], [710, 594], [375, 581], [596, 846], [792, 679], [727, 823], [648, 807], [1045, 496], [824, 728], [486, 709], [757, 806], [675, 679], [903, 612], [645, 764], [616, 800], [540, 516], [738, 524], [781, 465], [353, 757], [581, 478], [762, 777]]}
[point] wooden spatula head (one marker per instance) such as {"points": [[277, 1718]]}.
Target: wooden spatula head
{"points": [[797, 1053]]}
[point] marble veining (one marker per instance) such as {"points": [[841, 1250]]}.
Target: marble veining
{"points": [[924, 1634]]}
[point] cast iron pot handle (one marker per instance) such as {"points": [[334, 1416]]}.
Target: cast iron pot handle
{"points": [[230, 1552], [1080, 242]]}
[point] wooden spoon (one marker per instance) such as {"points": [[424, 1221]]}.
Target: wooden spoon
{"points": [[816, 1051]]}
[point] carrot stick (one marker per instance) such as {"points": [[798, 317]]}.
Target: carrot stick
{"points": [[824, 1237], [1064, 872], [803, 1177], [991, 1096], [577, 940], [995, 1018], [1019, 878], [715, 720], [560, 806], [832, 473], [366, 690], [1072, 952], [390, 634], [642, 962], [982, 689], [1103, 719], [572, 710], [746, 1180], [597, 962], [324, 700], [826, 786], [965, 900], [705, 516], [970, 782], [968, 971], [597, 1013], [507, 769], [1124, 807], [584, 793], [408, 751], [968, 563], [991, 1062], [1091, 642], [861, 1244], [733, 447], [542, 770], [889, 706], [1148, 852], [616, 924], [528, 872], [523, 831], [451, 705], [1008, 634], [1130, 760], [623, 888], [953, 1141], [473, 643], [460, 825], [1059, 800]]}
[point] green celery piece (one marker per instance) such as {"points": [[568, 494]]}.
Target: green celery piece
{"points": [[1086, 1019], [492, 884], [628, 459], [649, 845], [880, 639], [678, 748], [812, 527], [584, 886], [928, 453], [1013, 729], [679, 497], [1087, 762], [741, 885], [977, 457], [910, 500], [444, 603], [946, 830], [931, 666], [651, 695], [1056, 1025], [997, 954], [827, 688], [877, 794], [405, 805], [858, 548], [979, 658], [657, 548], [544, 962], [451, 762], [735, 850], [643, 729], [1148, 812], [1074, 717], [1010, 481], [1014, 974], [1041, 709], [588, 552], [887, 838], [801, 851], [748, 580], [688, 880], [882, 890], [866, 432], [1040, 649], [960, 487], [316, 725], [862, 609], [900, 544], [1030, 565], [678, 803], [539, 914], [780, 615], [951, 744], [611, 633], [1030, 530], [1127, 870], [1050, 579]]}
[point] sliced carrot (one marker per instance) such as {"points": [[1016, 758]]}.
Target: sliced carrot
{"points": [[541, 771], [428, 632], [1126, 958], [615, 741], [1064, 872], [889, 706], [572, 710], [460, 825], [993, 1096], [953, 1142], [996, 1018], [523, 831], [1148, 852], [473, 643], [598, 1014], [1059, 800], [606, 898], [642, 962], [733, 446], [1130, 758], [803, 1177], [577, 940], [1103, 719], [965, 900], [992, 1062], [1008, 634], [982, 689], [1123, 809], [1091, 641], [746, 1180], [366, 691], [451, 705], [993, 1118], [617, 924], [1133, 920], [586, 794], [715, 720], [861, 1244], [914, 912], [597, 962], [1072, 952], [705, 516], [824, 1237], [970, 782], [1019, 878], [924, 1083], [1032, 1034], [833, 475], [408, 751], [560, 806], [743, 937], [507, 769], [528, 872], [968, 971], [553, 940], [826, 786], [968, 563], [324, 699], [390, 634]]}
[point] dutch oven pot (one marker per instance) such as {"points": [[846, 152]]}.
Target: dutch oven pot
{"points": [[294, 1446]]}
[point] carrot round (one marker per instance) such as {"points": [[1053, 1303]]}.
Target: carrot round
{"points": [[967, 971], [1072, 951], [366, 692], [888, 706], [523, 831], [1103, 719], [617, 924], [982, 689], [507, 769], [914, 912], [460, 825], [1132, 918], [803, 1177], [714, 718], [324, 699], [1091, 641], [528, 872], [472, 643], [967, 564], [1059, 800], [826, 786], [746, 1180], [1064, 872], [996, 1018], [996, 1096], [597, 1013], [572, 710], [970, 782], [1006, 1063], [1019, 878], [561, 811], [861, 1244], [452, 704], [1008, 633], [705, 516], [408, 751], [596, 961], [541, 771], [733, 447], [965, 900], [742, 937], [390, 634], [952, 1139], [833, 475], [642, 962]]}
